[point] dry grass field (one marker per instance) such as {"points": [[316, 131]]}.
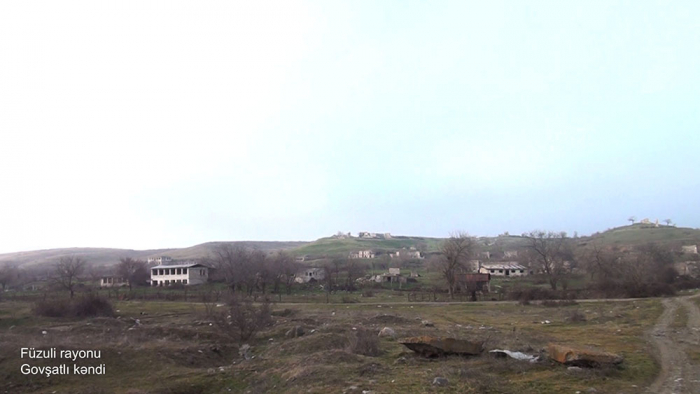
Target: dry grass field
{"points": [[174, 349]]}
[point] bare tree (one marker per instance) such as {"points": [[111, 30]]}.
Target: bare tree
{"points": [[353, 270], [233, 265], [67, 271], [632, 219], [549, 252], [9, 274], [286, 269], [668, 222], [456, 252], [134, 271]]}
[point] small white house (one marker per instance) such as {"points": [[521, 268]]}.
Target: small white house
{"points": [[159, 260], [185, 274], [690, 249], [362, 254], [113, 281], [507, 268], [309, 274]]}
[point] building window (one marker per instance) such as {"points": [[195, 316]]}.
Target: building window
{"points": [[184, 281], [522, 271], [512, 271], [500, 271], [493, 271], [184, 271]]}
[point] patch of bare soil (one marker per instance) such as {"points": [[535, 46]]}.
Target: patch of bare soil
{"points": [[677, 375]]}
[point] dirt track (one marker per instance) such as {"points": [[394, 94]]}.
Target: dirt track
{"points": [[677, 375]]}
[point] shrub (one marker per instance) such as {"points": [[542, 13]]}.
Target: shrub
{"points": [[91, 305], [525, 295], [56, 307], [349, 300], [364, 342], [242, 319], [368, 293], [553, 304], [576, 317]]}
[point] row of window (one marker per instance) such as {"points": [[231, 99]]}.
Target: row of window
{"points": [[169, 282], [113, 280], [177, 271], [511, 271]]}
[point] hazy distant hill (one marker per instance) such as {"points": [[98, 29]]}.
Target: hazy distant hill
{"points": [[106, 256], [636, 234]]}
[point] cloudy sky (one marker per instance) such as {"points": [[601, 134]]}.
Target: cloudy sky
{"points": [[148, 124]]}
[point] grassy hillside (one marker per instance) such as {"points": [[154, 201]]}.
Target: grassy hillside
{"points": [[638, 234], [107, 256], [333, 246]]}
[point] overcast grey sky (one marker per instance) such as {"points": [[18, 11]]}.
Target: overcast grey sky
{"points": [[144, 124]]}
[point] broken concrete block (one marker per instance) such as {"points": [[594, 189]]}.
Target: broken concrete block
{"points": [[582, 357], [438, 346], [387, 332]]}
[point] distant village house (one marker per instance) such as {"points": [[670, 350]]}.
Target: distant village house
{"points": [[362, 254], [160, 260], [690, 249], [507, 268], [113, 281], [310, 274]]}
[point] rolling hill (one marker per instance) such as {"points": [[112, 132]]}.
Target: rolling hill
{"points": [[632, 235], [107, 256]]}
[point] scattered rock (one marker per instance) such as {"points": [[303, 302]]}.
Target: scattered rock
{"points": [[427, 323], [440, 381], [438, 346], [591, 390], [400, 360], [515, 355], [295, 332], [351, 389], [387, 332], [245, 352], [582, 357], [574, 369]]}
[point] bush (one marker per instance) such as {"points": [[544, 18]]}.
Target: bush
{"points": [[349, 300], [576, 317], [553, 304], [525, 295], [368, 293], [92, 305], [56, 307], [364, 342], [242, 319], [89, 305]]}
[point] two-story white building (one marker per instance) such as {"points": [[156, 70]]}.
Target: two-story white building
{"points": [[185, 274]]}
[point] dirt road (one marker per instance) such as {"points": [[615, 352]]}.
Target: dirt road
{"points": [[677, 375]]}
